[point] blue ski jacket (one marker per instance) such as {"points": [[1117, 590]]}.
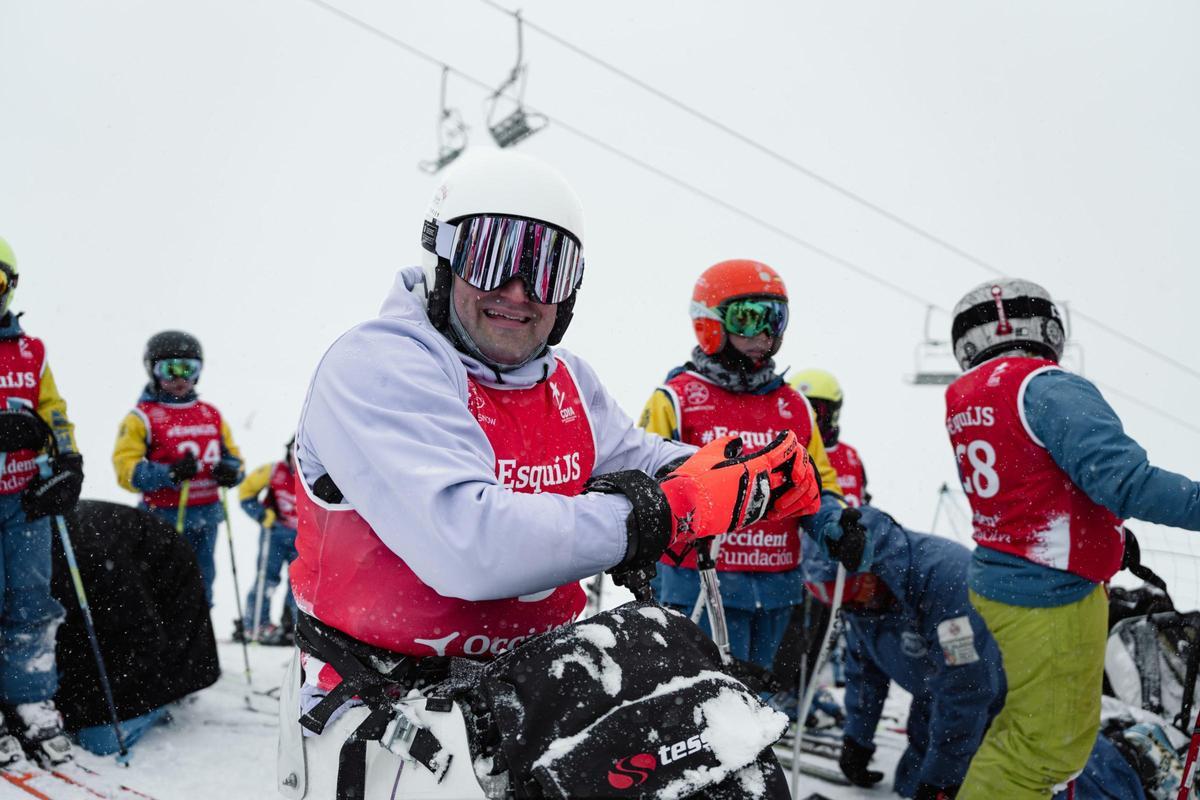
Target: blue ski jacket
{"points": [[932, 643]]}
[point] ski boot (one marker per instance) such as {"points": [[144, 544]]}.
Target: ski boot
{"points": [[239, 631], [10, 749], [43, 736]]}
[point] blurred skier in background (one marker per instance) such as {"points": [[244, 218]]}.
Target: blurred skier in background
{"points": [[268, 496], [739, 313], [176, 449], [33, 424]]}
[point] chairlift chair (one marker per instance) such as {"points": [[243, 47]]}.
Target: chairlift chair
{"points": [[451, 133], [518, 124], [933, 358]]}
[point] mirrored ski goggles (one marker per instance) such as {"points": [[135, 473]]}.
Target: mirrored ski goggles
{"points": [[752, 317], [489, 251], [7, 281], [172, 368]]}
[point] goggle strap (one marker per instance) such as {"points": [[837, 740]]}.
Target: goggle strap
{"points": [[700, 311]]}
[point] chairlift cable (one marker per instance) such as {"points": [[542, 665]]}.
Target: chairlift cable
{"points": [[809, 173], [696, 190]]}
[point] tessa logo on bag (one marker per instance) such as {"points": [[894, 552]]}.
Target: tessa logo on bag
{"points": [[632, 771]]}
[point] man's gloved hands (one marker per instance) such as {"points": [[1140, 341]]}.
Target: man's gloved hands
{"points": [[58, 493], [226, 474], [719, 489], [854, 762], [927, 791], [716, 490], [846, 540], [184, 469]]}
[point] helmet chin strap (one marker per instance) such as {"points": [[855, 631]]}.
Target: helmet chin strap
{"points": [[464, 342]]}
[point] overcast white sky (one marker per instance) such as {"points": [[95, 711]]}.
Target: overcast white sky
{"points": [[247, 171]]}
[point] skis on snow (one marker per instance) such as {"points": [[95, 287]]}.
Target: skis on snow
{"points": [[70, 781]]}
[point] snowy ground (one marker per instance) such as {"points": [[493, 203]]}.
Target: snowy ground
{"points": [[215, 748]]}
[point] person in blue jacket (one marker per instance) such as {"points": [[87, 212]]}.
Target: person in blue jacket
{"points": [[908, 620]]}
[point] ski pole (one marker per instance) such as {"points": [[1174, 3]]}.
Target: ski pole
{"points": [[237, 591], [183, 500], [711, 589], [811, 689], [264, 541], [1189, 767], [43, 462], [698, 609]]}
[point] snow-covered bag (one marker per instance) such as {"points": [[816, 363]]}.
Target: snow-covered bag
{"points": [[632, 702], [1146, 662]]}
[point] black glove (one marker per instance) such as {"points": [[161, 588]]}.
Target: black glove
{"points": [[850, 548], [927, 791], [226, 474], [854, 762], [184, 469], [648, 527], [21, 429], [58, 493]]}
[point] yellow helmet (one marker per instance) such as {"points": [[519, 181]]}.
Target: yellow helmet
{"points": [[817, 384], [8, 262]]}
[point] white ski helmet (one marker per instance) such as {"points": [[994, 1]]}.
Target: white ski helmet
{"points": [[491, 182], [1006, 314]]}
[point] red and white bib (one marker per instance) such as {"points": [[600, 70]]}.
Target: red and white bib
{"points": [[22, 361], [347, 577], [283, 489], [1023, 502], [172, 431], [852, 478], [706, 412]]}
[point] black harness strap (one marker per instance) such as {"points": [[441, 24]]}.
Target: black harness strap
{"points": [[378, 691]]}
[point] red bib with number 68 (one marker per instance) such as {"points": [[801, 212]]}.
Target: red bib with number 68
{"points": [[1023, 503], [175, 430]]}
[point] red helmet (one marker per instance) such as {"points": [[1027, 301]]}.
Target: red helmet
{"points": [[720, 283]]}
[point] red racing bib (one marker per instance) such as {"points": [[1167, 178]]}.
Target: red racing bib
{"points": [[283, 489], [852, 478], [1022, 502], [22, 361], [173, 430], [347, 577]]}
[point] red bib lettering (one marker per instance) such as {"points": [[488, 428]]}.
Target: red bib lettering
{"points": [[1022, 502], [347, 577], [174, 431], [851, 475], [22, 360], [283, 490], [708, 412]]}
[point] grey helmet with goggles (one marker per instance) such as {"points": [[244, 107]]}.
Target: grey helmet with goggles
{"points": [[1005, 315], [175, 354], [500, 215]]}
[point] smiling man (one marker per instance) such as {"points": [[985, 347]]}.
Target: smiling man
{"points": [[459, 474]]}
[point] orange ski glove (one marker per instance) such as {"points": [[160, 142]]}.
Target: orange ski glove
{"points": [[719, 489]]}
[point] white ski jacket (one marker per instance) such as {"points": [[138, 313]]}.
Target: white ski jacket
{"points": [[386, 417]]}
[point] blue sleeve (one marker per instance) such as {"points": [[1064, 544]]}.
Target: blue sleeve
{"points": [[1085, 437], [254, 509], [959, 716], [149, 476], [866, 690]]}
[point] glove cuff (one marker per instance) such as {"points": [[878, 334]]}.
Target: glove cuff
{"points": [[649, 525]]}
